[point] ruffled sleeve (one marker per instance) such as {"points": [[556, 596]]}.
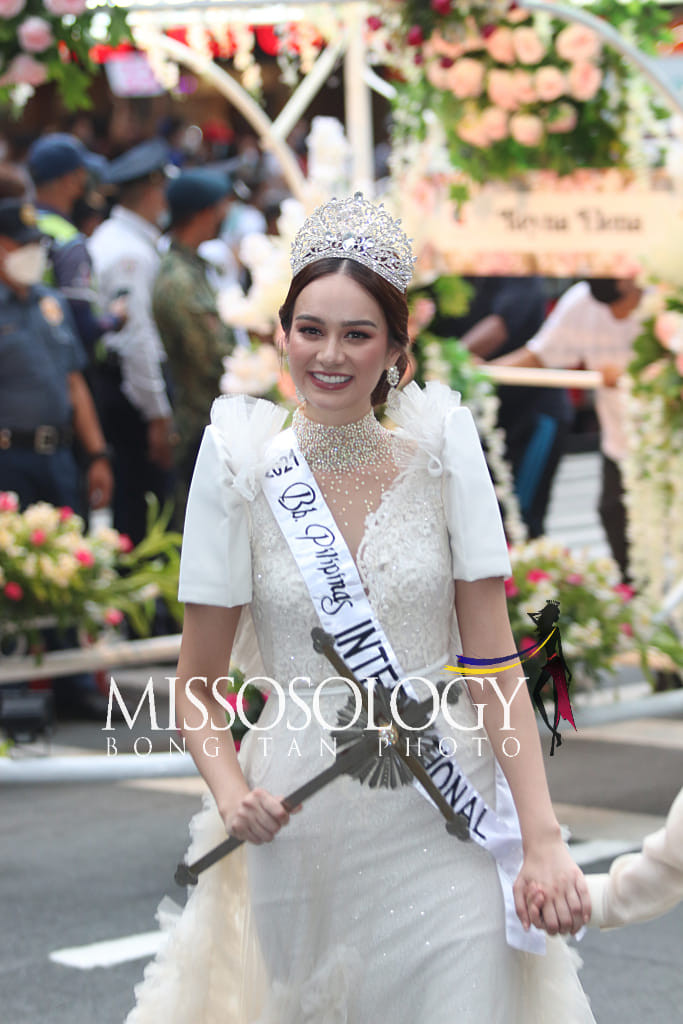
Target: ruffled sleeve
{"points": [[445, 430], [215, 561]]}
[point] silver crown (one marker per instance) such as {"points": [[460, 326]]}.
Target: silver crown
{"points": [[355, 229]]}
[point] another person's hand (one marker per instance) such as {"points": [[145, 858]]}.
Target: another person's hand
{"points": [[159, 447], [100, 483], [611, 372], [258, 817], [551, 891]]}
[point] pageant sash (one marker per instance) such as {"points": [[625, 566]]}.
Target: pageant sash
{"points": [[335, 587]]}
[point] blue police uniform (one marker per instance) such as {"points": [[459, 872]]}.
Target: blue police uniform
{"points": [[39, 348]]}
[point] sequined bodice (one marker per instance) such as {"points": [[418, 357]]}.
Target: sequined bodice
{"points": [[405, 565]]}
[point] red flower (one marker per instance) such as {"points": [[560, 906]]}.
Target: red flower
{"points": [[8, 502], [441, 7], [624, 591], [85, 557], [374, 23], [536, 575], [511, 588], [113, 617], [125, 543], [626, 628], [13, 592], [38, 537], [65, 513], [415, 36]]}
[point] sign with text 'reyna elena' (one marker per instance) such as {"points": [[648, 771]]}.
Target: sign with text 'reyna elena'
{"points": [[567, 232]]}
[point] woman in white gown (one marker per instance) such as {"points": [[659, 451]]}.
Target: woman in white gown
{"points": [[361, 908]]}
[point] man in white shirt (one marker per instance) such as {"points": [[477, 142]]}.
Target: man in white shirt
{"points": [[133, 398], [593, 325]]}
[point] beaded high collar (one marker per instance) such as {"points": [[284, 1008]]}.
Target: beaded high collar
{"points": [[338, 449]]}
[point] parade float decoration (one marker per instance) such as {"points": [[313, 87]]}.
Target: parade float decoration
{"points": [[51, 41], [54, 574]]}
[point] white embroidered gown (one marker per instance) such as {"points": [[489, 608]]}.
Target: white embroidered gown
{"points": [[363, 910]]}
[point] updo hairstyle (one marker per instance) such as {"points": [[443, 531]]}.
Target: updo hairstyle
{"points": [[390, 300]]}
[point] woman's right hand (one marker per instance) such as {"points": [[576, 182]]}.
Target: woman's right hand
{"points": [[257, 818]]}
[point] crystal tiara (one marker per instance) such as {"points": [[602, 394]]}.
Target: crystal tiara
{"points": [[355, 229]]}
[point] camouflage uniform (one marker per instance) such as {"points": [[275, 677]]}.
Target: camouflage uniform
{"points": [[196, 340]]}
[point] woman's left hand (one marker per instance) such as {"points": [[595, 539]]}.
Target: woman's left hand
{"points": [[550, 890]]}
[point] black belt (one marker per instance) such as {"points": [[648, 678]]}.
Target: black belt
{"points": [[44, 440]]}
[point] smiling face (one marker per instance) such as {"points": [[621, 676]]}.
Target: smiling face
{"points": [[338, 347]]}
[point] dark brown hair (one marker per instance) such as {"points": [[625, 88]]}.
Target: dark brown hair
{"points": [[391, 301]]}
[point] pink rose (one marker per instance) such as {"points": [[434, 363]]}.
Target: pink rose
{"points": [[494, 121], [24, 70], [471, 131], [35, 35], [626, 628], [575, 578], [65, 514], [577, 43], [550, 84], [85, 557], [466, 77], [523, 87], [511, 588], [562, 118], [528, 45], [499, 86], [13, 591], [624, 591], [38, 538], [669, 330], [679, 364], [8, 501], [125, 543], [113, 617], [536, 575], [584, 81], [500, 46], [60, 7], [527, 129], [10, 8]]}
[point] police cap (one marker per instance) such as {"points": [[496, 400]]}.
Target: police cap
{"points": [[52, 156], [139, 162], [18, 220], [195, 190]]}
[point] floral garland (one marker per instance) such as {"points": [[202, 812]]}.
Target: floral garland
{"points": [[515, 92], [50, 569], [653, 469], [50, 41]]}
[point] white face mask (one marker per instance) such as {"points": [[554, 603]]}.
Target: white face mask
{"points": [[26, 266]]}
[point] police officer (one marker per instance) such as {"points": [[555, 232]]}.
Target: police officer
{"points": [[44, 401], [44, 398], [132, 399], [59, 165], [184, 306]]}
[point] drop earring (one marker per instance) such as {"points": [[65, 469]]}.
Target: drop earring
{"points": [[300, 397], [393, 377]]}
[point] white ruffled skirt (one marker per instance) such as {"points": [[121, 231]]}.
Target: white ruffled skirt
{"points": [[363, 910]]}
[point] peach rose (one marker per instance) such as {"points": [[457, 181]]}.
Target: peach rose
{"points": [[577, 43], [584, 81], [10, 8], [500, 89], [444, 47], [523, 87], [669, 330], [650, 372], [561, 118], [24, 70], [466, 78], [60, 7], [528, 45], [500, 46], [527, 129], [437, 75], [550, 84], [35, 35], [471, 131], [516, 15], [494, 121]]}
